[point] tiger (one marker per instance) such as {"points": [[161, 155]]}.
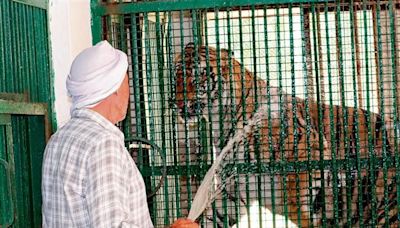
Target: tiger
{"points": [[211, 84]]}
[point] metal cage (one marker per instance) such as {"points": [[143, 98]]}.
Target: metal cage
{"points": [[326, 152]]}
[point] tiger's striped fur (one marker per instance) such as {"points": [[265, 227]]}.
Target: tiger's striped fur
{"points": [[212, 84]]}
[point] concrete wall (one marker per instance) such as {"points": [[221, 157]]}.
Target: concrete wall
{"points": [[70, 33]]}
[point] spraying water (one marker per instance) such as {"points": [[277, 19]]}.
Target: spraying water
{"points": [[210, 188]]}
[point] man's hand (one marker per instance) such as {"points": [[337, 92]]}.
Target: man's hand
{"points": [[184, 223]]}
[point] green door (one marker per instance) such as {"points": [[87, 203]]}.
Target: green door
{"points": [[24, 128]]}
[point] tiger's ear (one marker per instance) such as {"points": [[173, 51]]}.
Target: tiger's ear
{"points": [[189, 50], [189, 45]]}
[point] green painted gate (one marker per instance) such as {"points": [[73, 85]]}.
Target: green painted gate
{"points": [[328, 70], [21, 154], [26, 99]]}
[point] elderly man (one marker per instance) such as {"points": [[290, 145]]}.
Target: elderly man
{"points": [[89, 178]]}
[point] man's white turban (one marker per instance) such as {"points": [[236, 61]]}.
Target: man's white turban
{"points": [[96, 73]]}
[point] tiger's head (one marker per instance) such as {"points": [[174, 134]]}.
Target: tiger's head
{"points": [[199, 83]]}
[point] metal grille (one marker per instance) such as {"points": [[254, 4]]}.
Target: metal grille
{"points": [[326, 153]]}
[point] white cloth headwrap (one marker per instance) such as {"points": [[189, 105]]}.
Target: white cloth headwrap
{"points": [[96, 73]]}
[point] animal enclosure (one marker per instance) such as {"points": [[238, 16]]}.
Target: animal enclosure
{"points": [[326, 151]]}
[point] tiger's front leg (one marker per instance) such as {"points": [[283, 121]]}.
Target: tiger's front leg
{"points": [[302, 186], [298, 202]]}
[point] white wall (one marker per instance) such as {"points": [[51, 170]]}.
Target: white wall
{"points": [[70, 33]]}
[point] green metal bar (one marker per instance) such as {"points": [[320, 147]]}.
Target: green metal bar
{"points": [[10, 209], [307, 107], [208, 72], [6, 194], [150, 93], [122, 45], [185, 111], [160, 64], [396, 95], [382, 113], [24, 69], [17, 97], [243, 104], [371, 153], [135, 69], [294, 111], [254, 49], [96, 23], [108, 34], [320, 116], [36, 145], [8, 45], [229, 35], [121, 34], [209, 103], [346, 148], [256, 105], [10, 158], [22, 175], [22, 108], [271, 148], [278, 166], [35, 3], [14, 135], [209, 98], [356, 124], [197, 80], [173, 118], [15, 48], [46, 62], [31, 46], [16, 140], [219, 73], [40, 58], [22, 81], [247, 155], [176, 5], [282, 132], [201, 126], [221, 113], [200, 120], [48, 70], [3, 54]]}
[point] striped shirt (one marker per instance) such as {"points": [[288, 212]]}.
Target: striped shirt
{"points": [[89, 178]]}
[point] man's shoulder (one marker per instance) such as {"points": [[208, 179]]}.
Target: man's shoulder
{"points": [[81, 131]]}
